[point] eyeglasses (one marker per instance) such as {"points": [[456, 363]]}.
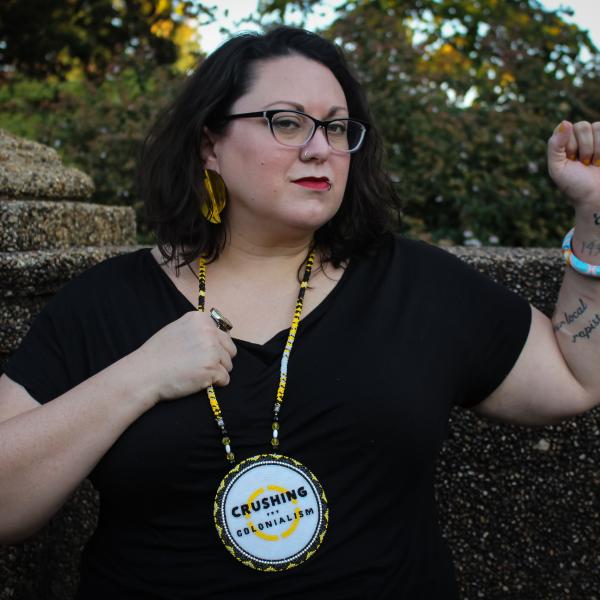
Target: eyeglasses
{"points": [[295, 129]]}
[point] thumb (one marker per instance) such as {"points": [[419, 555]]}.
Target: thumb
{"points": [[557, 144]]}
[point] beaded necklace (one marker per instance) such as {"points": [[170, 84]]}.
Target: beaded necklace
{"points": [[270, 510]]}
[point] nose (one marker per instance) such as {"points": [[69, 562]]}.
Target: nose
{"points": [[318, 147]]}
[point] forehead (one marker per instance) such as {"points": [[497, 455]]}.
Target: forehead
{"points": [[295, 79]]}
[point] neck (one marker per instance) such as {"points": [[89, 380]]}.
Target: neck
{"points": [[245, 252]]}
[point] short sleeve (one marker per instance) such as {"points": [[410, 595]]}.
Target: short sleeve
{"points": [[40, 363], [493, 325], [94, 320]]}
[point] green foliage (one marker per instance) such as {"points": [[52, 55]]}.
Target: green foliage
{"points": [[97, 128], [467, 93], [41, 38], [89, 78]]}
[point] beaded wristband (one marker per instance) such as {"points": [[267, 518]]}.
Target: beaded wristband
{"points": [[576, 263]]}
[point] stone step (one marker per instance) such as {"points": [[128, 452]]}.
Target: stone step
{"points": [[37, 273], [32, 170], [46, 225]]}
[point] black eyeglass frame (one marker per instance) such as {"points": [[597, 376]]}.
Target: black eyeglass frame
{"points": [[269, 114]]}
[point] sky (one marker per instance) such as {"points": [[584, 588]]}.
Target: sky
{"points": [[587, 16]]}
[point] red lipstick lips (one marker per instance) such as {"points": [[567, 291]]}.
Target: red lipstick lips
{"points": [[314, 183]]}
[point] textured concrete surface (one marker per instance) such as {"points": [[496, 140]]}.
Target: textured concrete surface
{"points": [[519, 506], [32, 170], [46, 225]]}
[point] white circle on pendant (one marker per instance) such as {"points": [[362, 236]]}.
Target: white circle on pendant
{"points": [[271, 511]]}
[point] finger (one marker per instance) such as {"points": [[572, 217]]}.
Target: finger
{"points": [[571, 147], [203, 320], [227, 343], [221, 377], [596, 133], [557, 144], [557, 147], [585, 141], [226, 361]]}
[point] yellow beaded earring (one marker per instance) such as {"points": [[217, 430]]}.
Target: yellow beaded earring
{"points": [[217, 196]]}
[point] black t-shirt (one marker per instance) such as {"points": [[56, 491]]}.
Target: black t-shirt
{"points": [[375, 369]]}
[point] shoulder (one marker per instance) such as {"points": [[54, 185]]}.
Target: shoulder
{"points": [[425, 253], [419, 259], [116, 274], [421, 270], [119, 266]]}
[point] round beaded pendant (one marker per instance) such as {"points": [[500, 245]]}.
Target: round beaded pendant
{"points": [[271, 512]]}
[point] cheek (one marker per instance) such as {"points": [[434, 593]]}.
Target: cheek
{"points": [[342, 173], [252, 176]]}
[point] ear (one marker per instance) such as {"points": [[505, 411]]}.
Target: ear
{"points": [[208, 150]]}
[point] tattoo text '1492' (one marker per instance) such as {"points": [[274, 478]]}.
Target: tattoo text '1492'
{"points": [[590, 248]]}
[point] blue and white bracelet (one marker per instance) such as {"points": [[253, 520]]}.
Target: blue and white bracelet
{"points": [[576, 263]]}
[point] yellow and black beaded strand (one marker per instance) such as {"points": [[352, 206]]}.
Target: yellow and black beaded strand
{"points": [[214, 404]]}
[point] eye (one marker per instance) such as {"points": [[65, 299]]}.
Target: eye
{"points": [[337, 127], [287, 122]]}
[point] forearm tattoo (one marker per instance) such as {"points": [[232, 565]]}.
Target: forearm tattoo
{"points": [[596, 218], [587, 331], [571, 317], [590, 248]]}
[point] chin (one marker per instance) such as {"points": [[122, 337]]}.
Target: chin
{"points": [[311, 223], [314, 218]]}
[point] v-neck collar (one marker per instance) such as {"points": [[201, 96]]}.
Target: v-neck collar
{"points": [[306, 320]]}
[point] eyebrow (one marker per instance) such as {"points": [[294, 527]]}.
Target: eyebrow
{"points": [[300, 107]]}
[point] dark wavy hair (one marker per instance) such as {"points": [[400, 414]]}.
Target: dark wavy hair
{"points": [[170, 174]]}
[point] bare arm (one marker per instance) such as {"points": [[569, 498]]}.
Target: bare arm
{"points": [[558, 372], [47, 450]]}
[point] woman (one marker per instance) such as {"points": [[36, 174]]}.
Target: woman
{"points": [[165, 412]]}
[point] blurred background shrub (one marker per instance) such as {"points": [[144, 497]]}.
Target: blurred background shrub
{"points": [[466, 93]]}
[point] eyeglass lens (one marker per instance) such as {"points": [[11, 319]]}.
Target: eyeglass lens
{"points": [[293, 129]]}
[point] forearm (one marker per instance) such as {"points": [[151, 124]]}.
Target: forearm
{"points": [[46, 452], [576, 319]]}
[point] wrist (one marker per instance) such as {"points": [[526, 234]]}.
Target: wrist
{"points": [[587, 220], [135, 380], [587, 260], [585, 243]]}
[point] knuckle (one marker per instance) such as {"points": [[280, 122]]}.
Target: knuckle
{"points": [[582, 125], [223, 379]]}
